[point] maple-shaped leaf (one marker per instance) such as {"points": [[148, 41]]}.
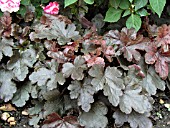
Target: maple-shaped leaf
{"points": [[59, 30], [83, 92], [48, 76], [95, 118], [57, 103], [36, 114], [22, 95], [20, 62], [7, 86], [132, 99], [135, 119], [113, 85], [6, 47], [152, 82], [55, 121], [97, 71], [76, 69]]}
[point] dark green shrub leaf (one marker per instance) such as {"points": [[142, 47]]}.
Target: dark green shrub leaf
{"points": [[113, 15], [135, 120], [142, 12], [158, 6], [95, 118], [20, 62], [83, 91], [89, 1], [115, 3], [25, 2], [75, 70], [124, 4], [126, 13], [7, 86], [69, 2], [6, 47], [140, 4], [134, 21]]}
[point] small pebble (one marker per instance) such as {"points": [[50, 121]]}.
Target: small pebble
{"points": [[5, 116], [12, 123], [11, 119], [24, 113], [161, 101]]}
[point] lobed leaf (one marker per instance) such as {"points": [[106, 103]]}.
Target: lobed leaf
{"points": [[75, 70], [136, 120], [95, 118], [7, 86], [6, 47], [83, 91], [20, 62]]}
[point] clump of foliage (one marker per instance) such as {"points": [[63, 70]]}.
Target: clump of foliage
{"points": [[73, 75]]}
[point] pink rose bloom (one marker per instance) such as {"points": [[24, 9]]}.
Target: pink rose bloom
{"points": [[52, 8], [9, 5]]}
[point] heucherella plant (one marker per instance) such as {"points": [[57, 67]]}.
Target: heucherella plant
{"points": [[9, 5]]}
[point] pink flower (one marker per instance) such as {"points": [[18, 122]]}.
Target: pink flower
{"points": [[52, 8], [9, 5]]}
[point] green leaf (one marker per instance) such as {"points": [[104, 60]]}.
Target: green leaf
{"points": [[95, 118], [115, 3], [158, 6], [134, 21], [22, 95], [142, 12], [113, 15], [49, 77], [135, 119], [89, 1], [126, 13], [25, 2], [69, 2], [124, 4], [140, 4], [7, 86], [6, 47], [130, 1], [20, 62], [44, 1], [83, 91], [75, 70]]}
